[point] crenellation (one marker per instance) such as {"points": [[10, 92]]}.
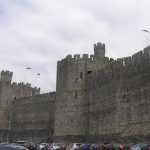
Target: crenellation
{"points": [[127, 61], [14, 90], [28, 85], [85, 56], [99, 45], [14, 84], [76, 57], [137, 57], [99, 50], [91, 59], [111, 60], [106, 60], [120, 61], [68, 58]]}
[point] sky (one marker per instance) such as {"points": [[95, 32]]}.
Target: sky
{"points": [[38, 33]]}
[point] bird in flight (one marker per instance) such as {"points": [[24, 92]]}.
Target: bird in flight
{"points": [[144, 30], [28, 68], [38, 74]]}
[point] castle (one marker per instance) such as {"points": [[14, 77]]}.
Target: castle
{"points": [[97, 99]]}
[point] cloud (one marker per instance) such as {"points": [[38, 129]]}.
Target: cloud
{"points": [[37, 33]]}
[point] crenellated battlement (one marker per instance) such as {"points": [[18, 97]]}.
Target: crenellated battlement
{"points": [[21, 85], [16, 90], [45, 97], [99, 55], [25, 88], [125, 67], [99, 45], [141, 58], [76, 58], [137, 58]]}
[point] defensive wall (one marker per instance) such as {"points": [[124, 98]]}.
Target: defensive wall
{"points": [[10, 91], [97, 99], [33, 117], [30, 118], [100, 98]]}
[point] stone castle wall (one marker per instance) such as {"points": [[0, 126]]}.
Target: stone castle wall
{"points": [[9, 92], [119, 98], [35, 112], [32, 117], [97, 99], [102, 97]]}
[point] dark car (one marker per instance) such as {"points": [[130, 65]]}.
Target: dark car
{"points": [[11, 147]]}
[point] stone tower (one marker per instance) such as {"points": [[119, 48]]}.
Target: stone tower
{"points": [[6, 76], [5, 92], [99, 50], [70, 118], [5, 87]]}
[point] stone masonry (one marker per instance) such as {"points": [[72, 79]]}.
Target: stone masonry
{"points": [[9, 92], [24, 112], [97, 99]]}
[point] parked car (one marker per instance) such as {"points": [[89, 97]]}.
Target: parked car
{"points": [[75, 146], [20, 142], [139, 146], [42, 146], [55, 146], [12, 147]]}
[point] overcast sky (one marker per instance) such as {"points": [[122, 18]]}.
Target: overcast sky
{"points": [[37, 33]]}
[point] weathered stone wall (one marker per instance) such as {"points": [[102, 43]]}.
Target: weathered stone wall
{"points": [[4, 119], [10, 91], [32, 118], [101, 97], [36, 136], [36, 112], [97, 99], [71, 114], [69, 99], [118, 98]]}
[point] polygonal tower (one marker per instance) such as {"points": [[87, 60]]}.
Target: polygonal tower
{"points": [[70, 118]]}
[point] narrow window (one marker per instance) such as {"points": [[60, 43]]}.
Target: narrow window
{"points": [[89, 72], [81, 75], [76, 95]]}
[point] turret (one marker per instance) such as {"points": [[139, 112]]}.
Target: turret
{"points": [[99, 50], [6, 76]]}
